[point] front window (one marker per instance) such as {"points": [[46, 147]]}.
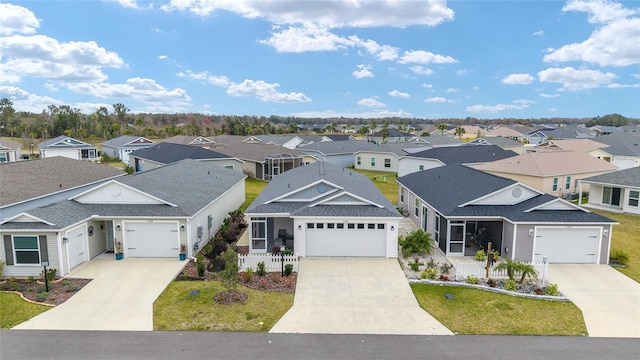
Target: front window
{"points": [[373, 162], [567, 183], [228, 167], [436, 229], [634, 197], [259, 233], [401, 195], [416, 211], [611, 196], [387, 163], [421, 167], [26, 249], [555, 184], [358, 160], [4, 157]]}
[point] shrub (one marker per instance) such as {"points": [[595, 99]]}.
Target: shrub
{"points": [[200, 265], [288, 269], [230, 276], [247, 275], [72, 288], [50, 275], [480, 255], [417, 242], [619, 257], [261, 271], [42, 288], [41, 297], [31, 280], [510, 285], [429, 273], [1, 267], [551, 290], [444, 277], [445, 268], [538, 290], [492, 282], [415, 264], [432, 264], [471, 279]]}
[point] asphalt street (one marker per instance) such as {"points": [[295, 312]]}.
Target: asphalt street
{"points": [[42, 344]]}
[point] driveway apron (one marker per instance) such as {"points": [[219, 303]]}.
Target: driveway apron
{"points": [[355, 296], [609, 300], [120, 296]]}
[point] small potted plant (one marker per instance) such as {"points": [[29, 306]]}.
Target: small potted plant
{"points": [[119, 254], [183, 252]]}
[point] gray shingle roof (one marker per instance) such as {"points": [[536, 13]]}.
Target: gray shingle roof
{"points": [[166, 152], [626, 149], [123, 140], [447, 187], [339, 147], [466, 154], [24, 180], [80, 145], [626, 177], [349, 180], [233, 146]]}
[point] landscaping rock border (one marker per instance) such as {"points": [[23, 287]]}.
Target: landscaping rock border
{"points": [[491, 289]]}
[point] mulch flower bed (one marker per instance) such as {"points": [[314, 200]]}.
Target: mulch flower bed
{"points": [[60, 290]]}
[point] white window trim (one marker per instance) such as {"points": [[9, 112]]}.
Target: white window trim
{"points": [[15, 258]]}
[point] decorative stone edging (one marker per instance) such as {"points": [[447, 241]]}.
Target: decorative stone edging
{"points": [[490, 289], [27, 300]]}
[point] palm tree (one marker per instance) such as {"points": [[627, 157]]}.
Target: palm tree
{"points": [[516, 268], [510, 266], [528, 271], [442, 127], [460, 131]]}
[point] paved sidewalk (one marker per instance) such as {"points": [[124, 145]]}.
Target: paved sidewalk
{"points": [[355, 296], [120, 296], [609, 300]]}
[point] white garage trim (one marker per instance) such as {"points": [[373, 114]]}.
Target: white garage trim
{"points": [[160, 239], [567, 244], [357, 239], [77, 246], [71, 154]]}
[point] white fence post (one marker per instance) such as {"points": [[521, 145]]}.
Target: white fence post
{"points": [[477, 269], [272, 263]]}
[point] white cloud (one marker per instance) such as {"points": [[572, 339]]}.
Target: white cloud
{"points": [[462, 72], [515, 105], [163, 57], [45, 57], [25, 101], [417, 69], [623, 86], [549, 95], [425, 57], [538, 33], [576, 79], [15, 19], [518, 79], [427, 86], [211, 79], [451, 90], [296, 39], [371, 102], [265, 91], [637, 76], [362, 72], [438, 99], [613, 43], [381, 52], [333, 14], [348, 114], [396, 93]]}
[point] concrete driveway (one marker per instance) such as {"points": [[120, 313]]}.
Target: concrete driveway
{"points": [[120, 296], [609, 300], [355, 296]]}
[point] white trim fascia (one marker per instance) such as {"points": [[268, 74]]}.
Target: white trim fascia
{"points": [[29, 216], [348, 194], [304, 188], [138, 138], [554, 201], [267, 214], [126, 186], [500, 190]]}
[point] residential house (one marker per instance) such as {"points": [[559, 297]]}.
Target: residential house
{"points": [[390, 136], [578, 145], [40, 182], [504, 132], [339, 153], [554, 173], [164, 153], [502, 142], [68, 147], [120, 147], [323, 210], [190, 140], [623, 150], [151, 215], [617, 191], [385, 157], [10, 151], [462, 208], [439, 156], [262, 161], [470, 132]]}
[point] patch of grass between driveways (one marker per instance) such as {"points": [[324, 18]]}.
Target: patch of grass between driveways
{"points": [[625, 237], [177, 309], [15, 310], [478, 312]]}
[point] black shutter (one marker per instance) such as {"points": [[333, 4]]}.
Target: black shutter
{"points": [[44, 252], [8, 250]]}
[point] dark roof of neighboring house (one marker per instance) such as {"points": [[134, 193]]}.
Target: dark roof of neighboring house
{"points": [[68, 141], [297, 178], [392, 133], [502, 142], [188, 140], [447, 187], [200, 183], [339, 147], [125, 140], [24, 180], [466, 154], [626, 177], [232, 145], [166, 152], [9, 144], [339, 137]]}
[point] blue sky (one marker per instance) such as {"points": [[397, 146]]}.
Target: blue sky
{"points": [[424, 59]]}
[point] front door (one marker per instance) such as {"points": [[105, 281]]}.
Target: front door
{"points": [[424, 218], [456, 238], [108, 225]]}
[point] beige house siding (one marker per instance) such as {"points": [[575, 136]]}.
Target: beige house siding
{"points": [[365, 161], [31, 270]]}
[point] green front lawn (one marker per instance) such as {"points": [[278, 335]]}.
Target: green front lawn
{"points": [[386, 183], [177, 309], [252, 188], [478, 312], [14, 310], [626, 238]]}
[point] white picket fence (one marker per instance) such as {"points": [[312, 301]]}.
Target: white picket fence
{"points": [[477, 269], [272, 263]]}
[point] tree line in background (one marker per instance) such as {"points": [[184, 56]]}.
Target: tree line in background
{"points": [[107, 123]]}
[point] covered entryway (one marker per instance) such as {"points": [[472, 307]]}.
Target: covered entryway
{"points": [[157, 239], [567, 245], [76, 246], [352, 240]]}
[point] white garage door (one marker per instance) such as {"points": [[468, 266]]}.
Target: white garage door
{"points": [[151, 239], [624, 163], [72, 154], [353, 240], [569, 246], [76, 246]]}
